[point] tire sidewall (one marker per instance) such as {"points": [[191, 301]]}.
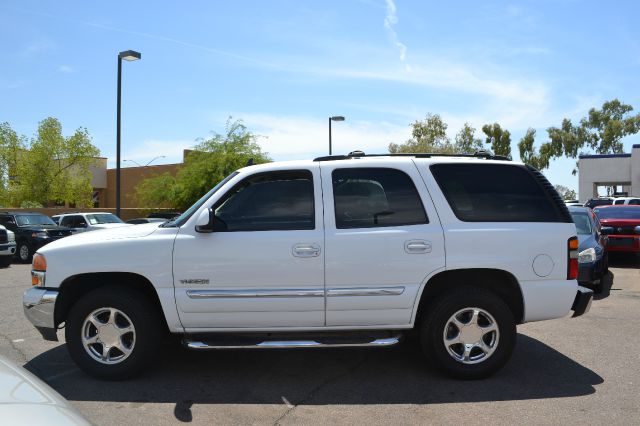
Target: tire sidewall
{"points": [[441, 310], [143, 318], [19, 251]]}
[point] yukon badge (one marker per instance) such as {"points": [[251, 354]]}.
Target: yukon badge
{"points": [[195, 281]]}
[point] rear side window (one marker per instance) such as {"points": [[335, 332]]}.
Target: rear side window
{"points": [[497, 193], [619, 202], [634, 202], [375, 197]]}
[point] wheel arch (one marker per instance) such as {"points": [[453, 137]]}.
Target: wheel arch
{"points": [[498, 281], [74, 287]]}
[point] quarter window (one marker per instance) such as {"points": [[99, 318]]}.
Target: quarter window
{"points": [[375, 197], [494, 193], [268, 202]]}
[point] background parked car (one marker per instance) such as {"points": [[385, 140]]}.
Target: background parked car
{"points": [[81, 222], [140, 220], [32, 231], [164, 215], [595, 202], [27, 400], [593, 261], [632, 201], [622, 223], [7, 246]]}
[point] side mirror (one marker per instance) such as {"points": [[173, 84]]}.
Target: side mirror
{"points": [[636, 229], [204, 223], [607, 230]]}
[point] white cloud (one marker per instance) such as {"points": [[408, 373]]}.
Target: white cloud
{"points": [[390, 20], [65, 69], [295, 137]]}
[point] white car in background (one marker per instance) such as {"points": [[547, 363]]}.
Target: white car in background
{"points": [[7, 246], [27, 400], [626, 201], [82, 222]]}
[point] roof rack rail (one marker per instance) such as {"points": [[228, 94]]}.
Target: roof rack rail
{"points": [[359, 154]]}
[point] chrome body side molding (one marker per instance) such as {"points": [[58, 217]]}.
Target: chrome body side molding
{"points": [[255, 293], [294, 292], [365, 291]]}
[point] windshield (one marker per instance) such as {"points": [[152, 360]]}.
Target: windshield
{"points": [[583, 225], [618, 213], [34, 219], [99, 218], [180, 220]]}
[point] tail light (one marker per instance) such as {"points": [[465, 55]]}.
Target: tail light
{"points": [[572, 258]]}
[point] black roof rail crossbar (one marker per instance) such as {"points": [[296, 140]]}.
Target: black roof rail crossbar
{"points": [[358, 154]]}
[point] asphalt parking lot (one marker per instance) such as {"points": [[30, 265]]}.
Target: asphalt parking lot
{"points": [[565, 371]]}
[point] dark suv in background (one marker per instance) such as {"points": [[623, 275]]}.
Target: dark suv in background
{"points": [[33, 230]]}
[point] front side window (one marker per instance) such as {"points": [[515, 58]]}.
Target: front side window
{"points": [[494, 193], [375, 197], [271, 201]]}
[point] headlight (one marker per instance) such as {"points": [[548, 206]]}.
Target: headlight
{"points": [[587, 256], [41, 234], [11, 237]]}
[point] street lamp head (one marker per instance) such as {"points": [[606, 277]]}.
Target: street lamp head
{"points": [[337, 118], [130, 55]]}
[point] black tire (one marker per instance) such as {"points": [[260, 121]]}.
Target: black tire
{"points": [[441, 310], [605, 264], [5, 261], [142, 314], [24, 253]]}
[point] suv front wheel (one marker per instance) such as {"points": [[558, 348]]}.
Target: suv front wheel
{"points": [[469, 333], [113, 333]]}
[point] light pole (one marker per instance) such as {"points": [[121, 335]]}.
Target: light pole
{"points": [[334, 118], [140, 165], [127, 55]]}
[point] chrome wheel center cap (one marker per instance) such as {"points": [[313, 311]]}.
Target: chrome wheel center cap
{"points": [[470, 334], [108, 335]]}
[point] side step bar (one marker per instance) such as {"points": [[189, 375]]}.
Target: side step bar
{"points": [[284, 344]]}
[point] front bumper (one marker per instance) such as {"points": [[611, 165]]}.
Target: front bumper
{"points": [[39, 307], [8, 249], [582, 302]]}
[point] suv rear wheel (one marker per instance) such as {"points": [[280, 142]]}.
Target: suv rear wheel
{"points": [[112, 333], [469, 333], [24, 252]]}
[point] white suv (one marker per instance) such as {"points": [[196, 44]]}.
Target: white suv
{"points": [[7, 246], [340, 251], [626, 201], [82, 222]]}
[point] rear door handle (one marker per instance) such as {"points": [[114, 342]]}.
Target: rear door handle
{"points": [[417, 246], [306, 250]]}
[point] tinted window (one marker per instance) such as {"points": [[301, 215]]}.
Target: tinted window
{"points": [[618, 212], [267, 202], [67, 221], [373, 197], [618, 202], [583, 224], [495, 193], [634, 202]]}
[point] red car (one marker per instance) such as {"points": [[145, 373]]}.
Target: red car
{"points": [[622, 224]]}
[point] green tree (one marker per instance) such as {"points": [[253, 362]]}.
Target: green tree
{"points": [[565, 192], [498, 138], [429, 135], [466, 141], [48, 168], [601, 132], [210, 162]]}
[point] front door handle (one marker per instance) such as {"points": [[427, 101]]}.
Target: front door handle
{"points": [[306, 250], [417, 246]]}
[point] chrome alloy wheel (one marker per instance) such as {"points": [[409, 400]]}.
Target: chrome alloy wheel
{"points": [[108, 335], [24, 252], [471, 335]]}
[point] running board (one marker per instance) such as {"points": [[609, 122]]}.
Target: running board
{"points": [[286, 344]]}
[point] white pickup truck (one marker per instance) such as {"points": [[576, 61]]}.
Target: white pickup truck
{"points": [[353, 250]]}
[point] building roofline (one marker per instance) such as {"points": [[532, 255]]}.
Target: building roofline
{"points": [[583, 157]]}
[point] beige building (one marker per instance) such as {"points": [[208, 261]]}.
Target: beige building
{"points": [[621, 171]]}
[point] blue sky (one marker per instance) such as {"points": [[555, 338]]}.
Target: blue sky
{"points": [[284, 67]]}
